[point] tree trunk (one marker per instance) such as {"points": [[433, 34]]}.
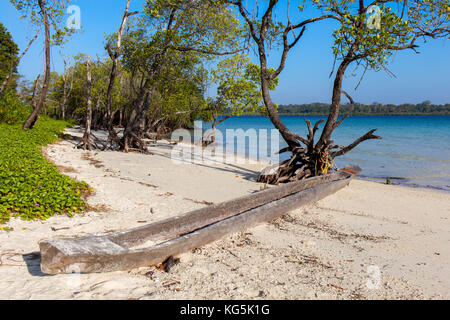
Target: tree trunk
{"points": [[212, 135], [29, 123], [316, 159], [35, 88], [131, 133], [335, 106], [64, 99], [96, 114], [86, 142], [311, 159], [65, 93], [115, 59], [288, 136]]}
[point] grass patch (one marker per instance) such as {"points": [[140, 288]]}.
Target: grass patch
{"points": [[30, 186]]}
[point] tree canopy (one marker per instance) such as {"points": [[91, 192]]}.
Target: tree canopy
{"points": [[55, 9], [8, 54]]}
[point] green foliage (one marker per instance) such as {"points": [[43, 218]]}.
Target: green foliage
{"points": [[373, 45], [171, 56], [238, 88], [8, 52], [56, 10], [206, 26], [75, 76], [12, 110], [372, 36], [178, 91], [431, 17], [30, 186]]}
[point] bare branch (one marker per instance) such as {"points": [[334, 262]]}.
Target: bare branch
{"points": [[348, 97], [287, 47], [316, 126], [241, 8], [367, 136]]}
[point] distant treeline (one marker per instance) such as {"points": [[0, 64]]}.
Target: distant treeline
{"points": [[319, 109]]}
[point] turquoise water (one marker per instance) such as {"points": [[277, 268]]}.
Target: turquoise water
{"points": [[415, 150]]}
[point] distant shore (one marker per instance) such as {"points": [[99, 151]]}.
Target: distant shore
{"points": [[424, 108], [353, 114]]}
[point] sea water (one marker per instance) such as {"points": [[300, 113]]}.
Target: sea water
{"points": [[415, 150]]}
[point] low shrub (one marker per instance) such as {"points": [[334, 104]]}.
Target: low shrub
{"points": [[12, 110], [30, 186]]}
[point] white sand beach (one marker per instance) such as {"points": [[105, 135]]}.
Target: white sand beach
{"points": [[368, 241]]}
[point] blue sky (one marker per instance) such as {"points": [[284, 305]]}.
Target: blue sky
{"points": [[306, 78]]}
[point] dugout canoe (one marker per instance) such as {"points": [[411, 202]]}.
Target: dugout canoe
{"points": [[155, 243]]}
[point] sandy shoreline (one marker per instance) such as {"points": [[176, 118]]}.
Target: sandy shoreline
{"points": [[334, 249]]}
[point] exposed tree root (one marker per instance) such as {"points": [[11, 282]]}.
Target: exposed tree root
{"points": [[90, 141], [311, 160], [113, 140], [132, 142]]}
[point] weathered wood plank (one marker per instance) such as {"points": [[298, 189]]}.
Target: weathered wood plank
{"points": [[176, 226], [113, 252]]}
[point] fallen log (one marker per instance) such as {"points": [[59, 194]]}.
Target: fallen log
{"points": [[171, 237]]}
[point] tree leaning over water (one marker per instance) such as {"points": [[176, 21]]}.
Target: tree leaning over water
{"points": [[370, 42], [360, 38]]}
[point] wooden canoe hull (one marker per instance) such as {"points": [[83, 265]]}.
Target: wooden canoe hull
{"points": [[181, 234]]}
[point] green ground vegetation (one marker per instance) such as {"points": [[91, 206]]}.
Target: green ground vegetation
{"points": [[30, 186]]}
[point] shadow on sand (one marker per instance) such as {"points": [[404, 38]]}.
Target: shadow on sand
{"points": [[33, 261]]}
